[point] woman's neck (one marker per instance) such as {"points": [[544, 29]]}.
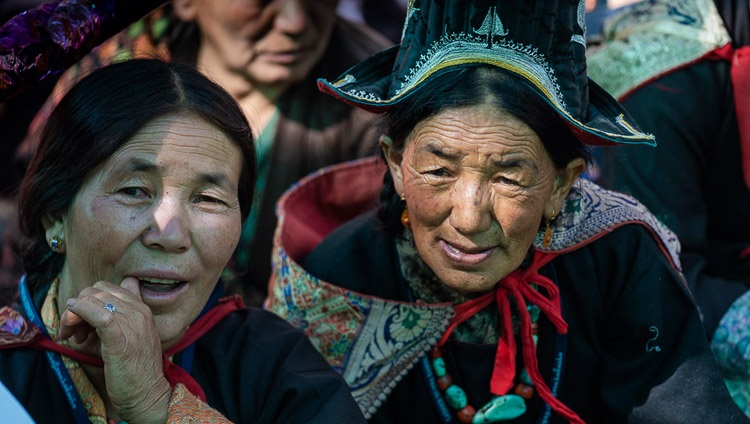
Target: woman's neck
{"points": [[258, 102]]}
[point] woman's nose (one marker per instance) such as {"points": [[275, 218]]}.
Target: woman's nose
{"points": [[471, 211], [292, 16], [169, 230]]}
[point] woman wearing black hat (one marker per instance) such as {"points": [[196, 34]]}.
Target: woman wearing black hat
{"points": [[492, 283]]}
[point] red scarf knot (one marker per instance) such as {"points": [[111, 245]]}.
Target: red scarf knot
{"points": [[519, 285]]}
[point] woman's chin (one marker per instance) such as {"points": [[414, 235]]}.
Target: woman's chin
{"points": [[468, 284]]}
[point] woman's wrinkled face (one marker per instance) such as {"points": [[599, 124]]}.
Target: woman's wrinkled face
{"points": [[477, 183], [269, 42], [164, 209]]}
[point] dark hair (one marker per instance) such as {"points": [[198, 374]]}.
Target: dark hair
{"points": [[98, 116], [474, 86]]}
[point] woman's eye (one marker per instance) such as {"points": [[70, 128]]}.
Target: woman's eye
{"points": [[437, 172], [134, 191], [208, 199], [507, 181]]}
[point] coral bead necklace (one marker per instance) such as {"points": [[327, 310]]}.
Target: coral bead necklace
{"points": [[500, 408]]}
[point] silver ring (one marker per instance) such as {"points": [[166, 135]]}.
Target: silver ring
{"points": [[110, 307]]}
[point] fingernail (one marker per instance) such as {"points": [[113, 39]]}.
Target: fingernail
{"points": [[71, 302]]}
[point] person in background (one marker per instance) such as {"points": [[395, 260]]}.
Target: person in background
{"points": [[682, 68], [133, 204], [387, 17], [267, 55], [15, 117], [490, 283]]}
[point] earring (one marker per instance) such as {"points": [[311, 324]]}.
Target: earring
{"points": [[56, 244], [405, 214], [548, 230]]}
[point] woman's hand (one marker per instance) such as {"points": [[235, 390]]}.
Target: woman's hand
{"points": [[128, 342]]}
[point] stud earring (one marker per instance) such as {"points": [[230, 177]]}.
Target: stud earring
{"points": [[548, 230], [56, 244], [405, 214]]}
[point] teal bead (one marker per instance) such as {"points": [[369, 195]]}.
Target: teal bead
{"points": [[525, 377], [501, 408], [536, 338], [455, 397], [438, 365], [533, 312]]}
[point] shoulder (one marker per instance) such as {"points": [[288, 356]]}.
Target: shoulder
{"points": [[591, 213], [257, 367], [359, 255], [359, 39], [626, 247], [254, 329]]}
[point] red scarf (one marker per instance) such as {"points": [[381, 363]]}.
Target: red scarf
{"points": [[518, 286], [740, 74]]}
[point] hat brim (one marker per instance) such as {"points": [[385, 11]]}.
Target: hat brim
{"points": [[367, 84]]}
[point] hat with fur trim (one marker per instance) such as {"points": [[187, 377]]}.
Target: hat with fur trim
{"points": [[541, 41]]}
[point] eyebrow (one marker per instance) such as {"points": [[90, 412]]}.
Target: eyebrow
{"points": [[216, 179], [514, 163], [503, 162], [213, 178], [437, 151]]}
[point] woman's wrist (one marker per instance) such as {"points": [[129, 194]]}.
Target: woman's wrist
{"points": [[154, 408]]}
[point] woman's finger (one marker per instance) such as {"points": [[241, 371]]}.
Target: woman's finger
{"points": [[132, 285], [69, 322]]}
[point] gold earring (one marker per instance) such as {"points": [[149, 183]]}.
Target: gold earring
{"points": [[56, 244], [405, 214], [548, 230]]}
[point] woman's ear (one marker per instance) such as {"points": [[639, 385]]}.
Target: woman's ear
{"points": [[54, 227], [185, 10], [393, 157], [563, 183]]}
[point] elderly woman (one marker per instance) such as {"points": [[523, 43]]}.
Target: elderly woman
{"points": [[133, 205], [492, 283]]}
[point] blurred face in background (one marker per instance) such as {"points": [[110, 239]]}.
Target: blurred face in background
{"points": [[267, 42]]}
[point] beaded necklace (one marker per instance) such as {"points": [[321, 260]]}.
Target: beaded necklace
{"points": [[500, 408], [532, 293]]}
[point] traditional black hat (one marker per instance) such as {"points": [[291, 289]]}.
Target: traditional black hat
{"points": [[542, 41]]}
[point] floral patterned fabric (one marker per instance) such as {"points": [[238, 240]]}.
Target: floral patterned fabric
{"points": [[14, 329], [731, 347], [372, 342]]}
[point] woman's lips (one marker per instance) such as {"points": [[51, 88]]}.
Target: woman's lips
{"points": [[286, 57], [465, 256], [160, 291]]}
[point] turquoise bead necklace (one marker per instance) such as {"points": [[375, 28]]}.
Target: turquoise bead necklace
{"points": [[500, 408]]}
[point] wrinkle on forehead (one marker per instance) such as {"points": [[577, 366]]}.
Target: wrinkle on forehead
{"points": [[186, 133], [498, 137], [179, 145]]}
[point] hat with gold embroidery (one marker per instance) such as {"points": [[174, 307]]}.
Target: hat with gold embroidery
{"points": [[541, 41]]}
